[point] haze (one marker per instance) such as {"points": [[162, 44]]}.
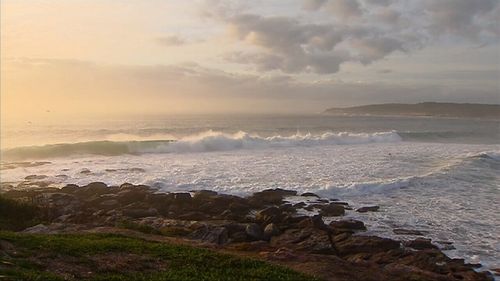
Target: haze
{"points": [[65, 59]]}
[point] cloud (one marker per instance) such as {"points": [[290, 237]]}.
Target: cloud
{"points": [[362, 31], [171, 40]]}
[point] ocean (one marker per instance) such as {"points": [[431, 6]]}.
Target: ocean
{"points": [[440, 176]]}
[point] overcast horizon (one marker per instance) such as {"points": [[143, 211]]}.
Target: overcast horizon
{"points": [[105, 58]]}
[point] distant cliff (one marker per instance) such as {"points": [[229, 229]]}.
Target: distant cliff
{"points": [[463, 110]]}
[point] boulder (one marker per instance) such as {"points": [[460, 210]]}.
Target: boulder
{"points": [[203, 194], [309, 194], [348, 224], [254, 231], [366, 244], [211, 234], [182, 198], [420, 244], [271, 230], [270, 197], [332, 210], [269, 215]]}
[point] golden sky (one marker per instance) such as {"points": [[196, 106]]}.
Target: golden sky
{"points": [[63, 58]]}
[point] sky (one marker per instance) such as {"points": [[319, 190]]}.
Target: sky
{"points": [[66, 58]]}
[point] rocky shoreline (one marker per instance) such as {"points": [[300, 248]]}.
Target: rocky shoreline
{"points": [[264, 225]]}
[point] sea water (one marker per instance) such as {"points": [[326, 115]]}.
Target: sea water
{"points": [[439, 176]]}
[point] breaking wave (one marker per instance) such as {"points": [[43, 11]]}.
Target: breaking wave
{"points": [[204, 142]]}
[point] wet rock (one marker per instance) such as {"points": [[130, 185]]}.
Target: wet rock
{"points": [[368, 209], [70, 188], [203, 194], [299, 205], [309, 194], [254, 231], [271, 230], [348, 224], [402, 231], [92, 189], [182, 198], [85, 171], [366, 244], [332, 210], [420, 244], [270, 197]]}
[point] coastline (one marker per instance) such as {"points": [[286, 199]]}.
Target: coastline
{"points": [[264, 225]]}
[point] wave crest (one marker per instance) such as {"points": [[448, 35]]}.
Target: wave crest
{"points": [[204, 142]]}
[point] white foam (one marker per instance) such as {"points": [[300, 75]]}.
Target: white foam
{"points": [[217, 141]]}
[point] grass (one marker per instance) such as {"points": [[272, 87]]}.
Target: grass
{"points": [[16, 215], [114, 257]]}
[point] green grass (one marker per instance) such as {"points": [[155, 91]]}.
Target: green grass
{"points": [[16, 215], [179, 262]]}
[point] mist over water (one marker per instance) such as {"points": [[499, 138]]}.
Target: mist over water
{"points": [[440, 176]]}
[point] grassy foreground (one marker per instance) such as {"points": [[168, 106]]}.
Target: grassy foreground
{"points": [[114, 257]]}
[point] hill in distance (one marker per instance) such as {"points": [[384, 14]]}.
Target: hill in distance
{"points": [[456, 110]]}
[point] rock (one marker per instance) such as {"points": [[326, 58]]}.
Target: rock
{"points": [[192, 216], [240, 236], [269, 215], [402, 231], [35, 177], [366, 244], [203, 194], [309, 240], [271, 230], [348, 224], [92, 189], [182, 198], [332, 210], [39, 228], [420, 244], [210, 234], [309, 194], [140, 213], [128, 196], [299, 205], [70, 188], [110, 203], [254, 231], [368, 209], [270, 197]]}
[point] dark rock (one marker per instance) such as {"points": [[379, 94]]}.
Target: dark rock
{"points": [[240, 236], [269, 215], [309, 194], [192, 216], [254, 231], [211, 234], [182, 198], [366, 244], [402, 231], [203, 194], [309, 239], [140, 213], [270, 197], [420, 244], [348, 224], [299, 205], [85, 171], [271, 230], [127, 196], [332, 210], [70, 188], [368, 209]]}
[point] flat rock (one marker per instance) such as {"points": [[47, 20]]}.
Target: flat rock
{"points": [[368, 209]]}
